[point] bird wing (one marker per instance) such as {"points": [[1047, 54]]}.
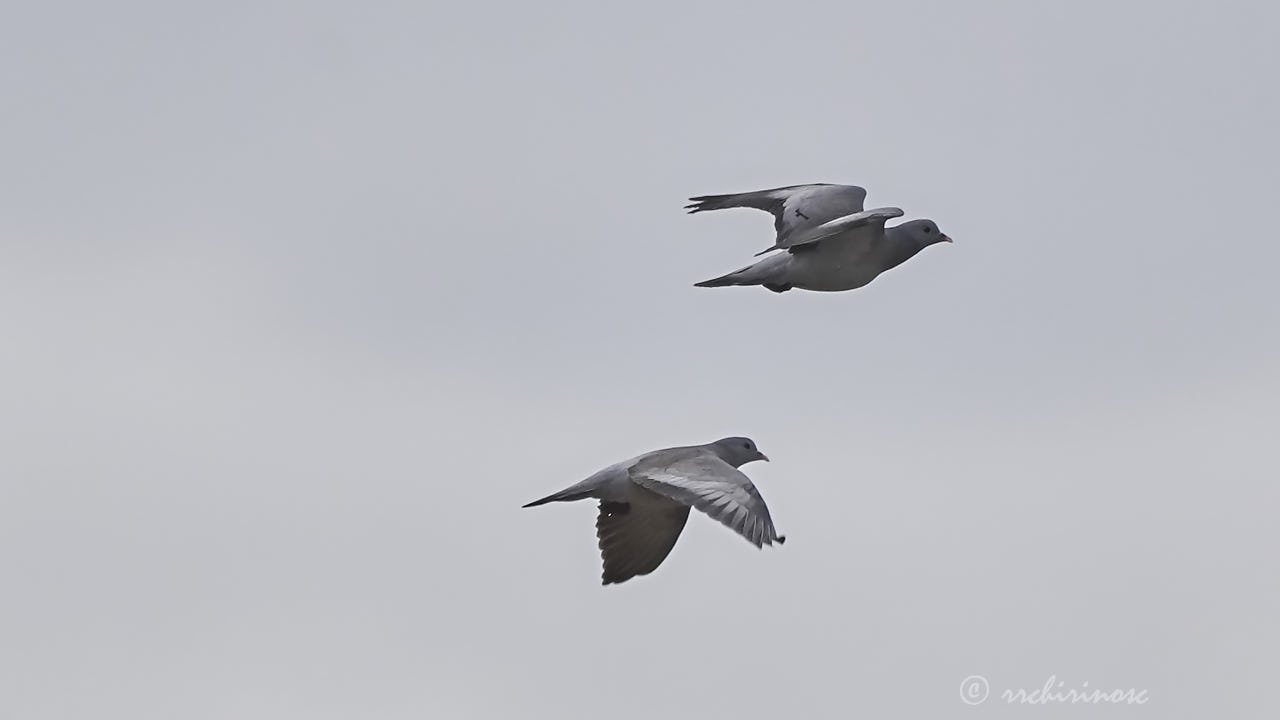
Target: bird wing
{"points": [[636, 537], [795, 208], [711, 485], [861, 228]]}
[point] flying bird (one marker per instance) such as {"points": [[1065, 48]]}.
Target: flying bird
{"points": [[645, 501], [837, 254]]}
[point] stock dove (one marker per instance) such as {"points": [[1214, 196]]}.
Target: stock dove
{"points": [[645, 501], [840, 254]]}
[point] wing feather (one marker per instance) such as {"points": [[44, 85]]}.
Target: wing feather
{"points": [[795, 208], [860, 227], [636, 537], [714, 487]]}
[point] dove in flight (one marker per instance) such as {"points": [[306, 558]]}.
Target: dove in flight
{"points": [[843, 253], [645, 501]]}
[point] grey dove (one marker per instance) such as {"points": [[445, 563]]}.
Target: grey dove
{"points": [[645, 501], [842, 253]]}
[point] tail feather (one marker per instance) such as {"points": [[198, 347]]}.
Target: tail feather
{"points": [[737, 277], [763, 272], [722, 281], [562, 496]]}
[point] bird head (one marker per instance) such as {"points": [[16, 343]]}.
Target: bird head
{"points": [[738, 451], [922, 232]]}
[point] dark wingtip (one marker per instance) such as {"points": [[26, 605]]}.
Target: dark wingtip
{"points": [[701, 203], [782, 539]]}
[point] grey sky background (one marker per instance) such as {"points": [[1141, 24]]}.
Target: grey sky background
{"points": [[301, 301]]}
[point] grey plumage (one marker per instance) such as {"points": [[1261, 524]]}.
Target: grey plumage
{"points": [[844, 253], [645, 501], [636, 543], [795, 208]]}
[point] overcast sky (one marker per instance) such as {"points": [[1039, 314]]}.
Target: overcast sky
{"points": [[299, 302]]}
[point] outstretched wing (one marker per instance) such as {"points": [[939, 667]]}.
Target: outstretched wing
{"points": [[718, 489], [795, 208], [636, 537], [863, 228]]}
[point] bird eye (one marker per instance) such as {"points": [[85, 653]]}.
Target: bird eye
{"points": [[928, 230]]}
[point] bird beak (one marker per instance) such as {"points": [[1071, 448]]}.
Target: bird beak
{"points": [[944, 238], [763, 456]]}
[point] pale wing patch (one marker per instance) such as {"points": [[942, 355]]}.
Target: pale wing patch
{"points": [[857, 227], [804, 211], [795, 208], [715, 488]]}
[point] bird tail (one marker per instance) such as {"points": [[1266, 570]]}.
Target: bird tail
{"points": [[737, 277], [768, 271], [562, 496], [722, 281]]}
